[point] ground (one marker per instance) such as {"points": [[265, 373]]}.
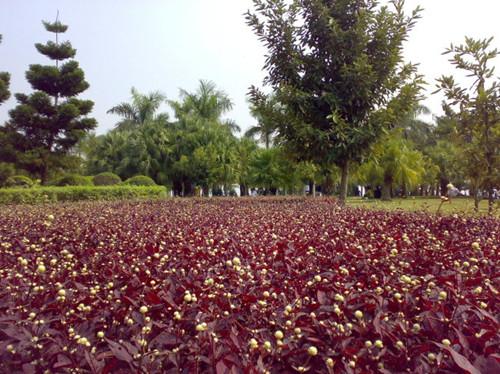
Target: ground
{"points": [[456, 206]]}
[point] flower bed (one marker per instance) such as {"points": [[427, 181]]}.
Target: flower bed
{"points": [[245, 286]]}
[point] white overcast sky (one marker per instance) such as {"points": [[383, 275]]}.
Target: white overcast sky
{"points": [[170, 44]]}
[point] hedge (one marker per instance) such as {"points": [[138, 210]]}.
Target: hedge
{"points": [[77, 193], [73, 180], [106, 179], [140, 180]]}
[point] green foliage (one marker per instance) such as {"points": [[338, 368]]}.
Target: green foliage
{"points": [[337, 68], [476, 111], [4, 84], [125, 152], [199, 150], [45, 125], [21, 181], [268, 112], [7, 170], [244, 152], [106, 179], [73, 180], [207, 103], [78, 193], [140, 180], [393, 162], [272, 170], [140, 111]]}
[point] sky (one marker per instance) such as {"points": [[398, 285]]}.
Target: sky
{"points": [[166, 45]]}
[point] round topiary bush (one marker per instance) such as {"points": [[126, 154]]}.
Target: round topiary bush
{"points": [[106, 179], [140, 180], [19, 181], [73, 180]]}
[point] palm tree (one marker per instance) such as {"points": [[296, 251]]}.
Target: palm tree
{"points": [[207, 102], [265, 109], [245, 151], [142, 109], [393, 161], [415, 129]]}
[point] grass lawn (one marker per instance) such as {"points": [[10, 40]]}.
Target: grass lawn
{"points": [[427, 204]]}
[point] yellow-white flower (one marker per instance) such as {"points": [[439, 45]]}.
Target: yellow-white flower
{"points": [[201, 327], [279, 335], [312, 350], [253, 344], [41, 268]]}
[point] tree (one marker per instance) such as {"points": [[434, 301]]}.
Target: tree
{"points": [[45, 125], [337, 67], [206, 104], [267, 170], [4, 84], [121, 152], [245, 151], [268, 112], [393, 162], [143, 150], [477, 112], [204, 143], [415, 129], [141, 110]]}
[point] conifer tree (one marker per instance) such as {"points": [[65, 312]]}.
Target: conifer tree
{"points": [[4, 84], [46, 124]]}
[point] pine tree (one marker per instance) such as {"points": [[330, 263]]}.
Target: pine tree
{"points": [[4, 84], [45, 125]]}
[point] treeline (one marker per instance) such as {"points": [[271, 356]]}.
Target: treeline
{"points": [[343, 110]]}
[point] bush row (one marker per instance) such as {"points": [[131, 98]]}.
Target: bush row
{"points": [[102, 179], [77, 193]]}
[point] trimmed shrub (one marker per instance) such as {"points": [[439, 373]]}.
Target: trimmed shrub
{"points": [[106, 179], [78, 193], [73, 180], [20, 181], [140, 180]]}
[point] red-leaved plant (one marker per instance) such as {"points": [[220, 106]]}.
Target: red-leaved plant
{"points": [[246, 286]]}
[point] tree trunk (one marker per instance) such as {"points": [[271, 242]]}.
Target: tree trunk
{"points": [[491, 201], [442, 184], [477, 199], [205, 191], [314, 189], [327, 186], [44, 175], [343, 181], [386, 189], [243, 190], [189, 190]]}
